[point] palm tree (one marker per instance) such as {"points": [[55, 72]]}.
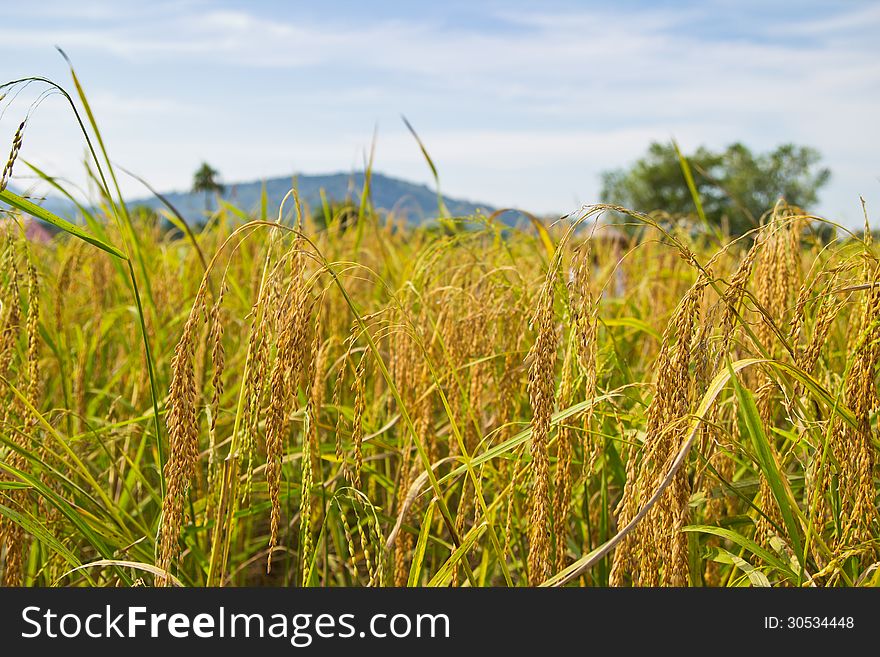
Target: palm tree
{"points": [[205, 180]]}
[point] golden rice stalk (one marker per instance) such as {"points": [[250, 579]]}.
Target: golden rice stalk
{"points": [[261, 317], [826, 309], [518, 473], [183, 438], [289, 360], [464, 506], [320, 354], [10, 319], [344, 363], [853, 448], [32, 321], [542, 389], [712, 439], [365, 537], [479, 345], [403, 541], [11, 315], [218, 358], [357, 422], [422, 408], [733, 295], [375, 566], [585, 311], [508, 379], [12, 534], [776, 275], [562, 485], [13, 537], [406, 372], [349, 540], [655, 552], [13, 155], [309, 462], [399, 349], [365, 550]]}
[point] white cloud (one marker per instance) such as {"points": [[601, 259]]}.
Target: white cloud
{"points": [[853, 20]]}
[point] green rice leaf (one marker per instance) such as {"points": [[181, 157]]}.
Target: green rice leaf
{"points": [[39, 212]]}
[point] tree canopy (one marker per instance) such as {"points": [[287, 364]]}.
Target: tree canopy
{"points": [[736, 187], [205, 180]]}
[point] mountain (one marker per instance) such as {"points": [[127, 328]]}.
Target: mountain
{"points": [[417, 202]]}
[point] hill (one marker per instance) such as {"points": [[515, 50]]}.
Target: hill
{"points": [[417, 202]]}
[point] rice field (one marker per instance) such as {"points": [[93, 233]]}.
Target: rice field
{"points": [[610, 399]]}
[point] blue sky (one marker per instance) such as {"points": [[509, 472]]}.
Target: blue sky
{"points": [[520, 104]]}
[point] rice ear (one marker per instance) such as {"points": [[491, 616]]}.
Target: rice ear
{"points": [[183, 438], [542, 393]]}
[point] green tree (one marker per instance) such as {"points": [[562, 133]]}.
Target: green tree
{"points": [[736, 187], [205, 180], [344, 213]]}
